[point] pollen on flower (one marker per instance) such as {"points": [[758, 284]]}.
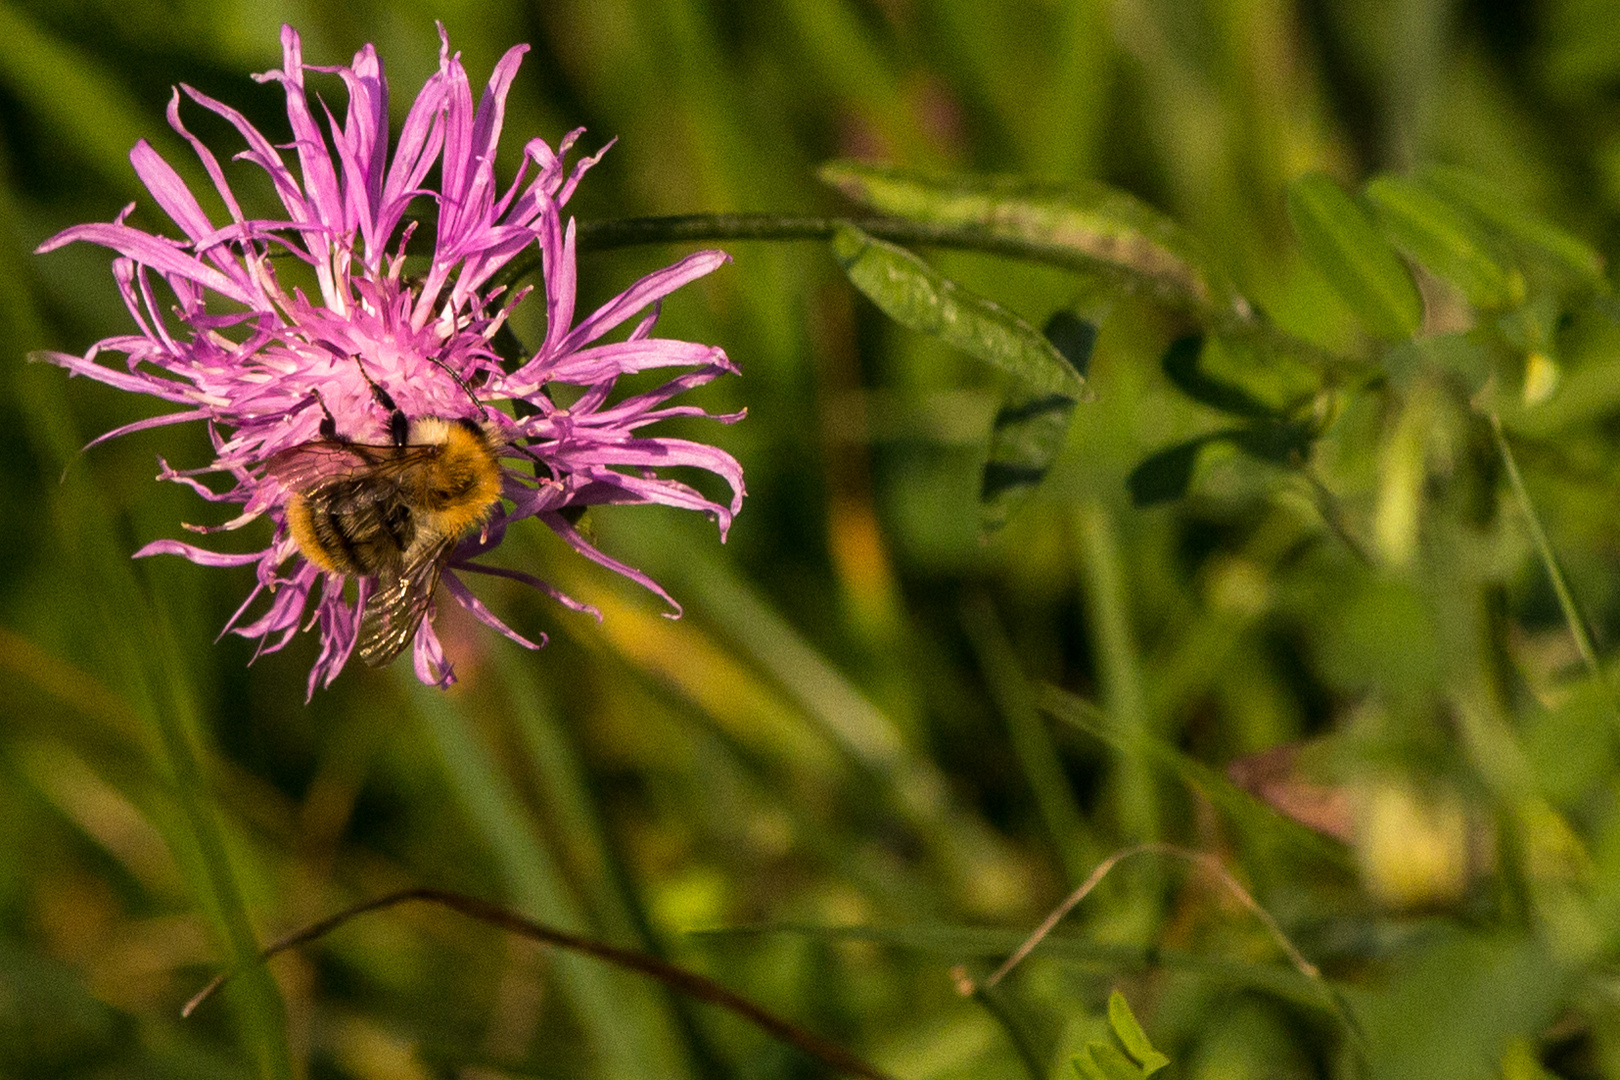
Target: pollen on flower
{"points": [[372, 421]]}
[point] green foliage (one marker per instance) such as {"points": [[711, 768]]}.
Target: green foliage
{"points": [[1085, 226], [1106, 1061], [1343, 245], [1045, 384], [1442, 240], [1315, 565]]}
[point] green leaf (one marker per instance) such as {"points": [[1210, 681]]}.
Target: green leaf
{"points": [[1087, 1068], [1340, 242], [1278, 443], [1034, 418], [1511, 219], [1131, 1035], [1092, 226], [1444, 241], [1466, 358]]}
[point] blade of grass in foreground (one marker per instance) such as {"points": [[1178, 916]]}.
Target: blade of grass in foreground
{"points": [[628, 1036], [202, 849], [132, 631], [1031, 740], [553, 761]]}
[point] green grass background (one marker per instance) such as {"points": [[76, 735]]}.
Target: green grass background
{"points": [[845, 729]]}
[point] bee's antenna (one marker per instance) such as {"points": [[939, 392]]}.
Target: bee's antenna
{"points": [[329, 423], [483, 413]]}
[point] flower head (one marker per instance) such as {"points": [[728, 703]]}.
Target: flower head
{"points": [[308, 387]]}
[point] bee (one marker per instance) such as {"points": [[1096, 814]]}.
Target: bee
{"points": [[391, 513]]}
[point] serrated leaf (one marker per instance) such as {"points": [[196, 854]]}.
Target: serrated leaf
{"points": [[1180, 364], [1511, 219], [1088, 225], [1034, 419], [1341, 242], [1444, 241], [1131, 1035]]}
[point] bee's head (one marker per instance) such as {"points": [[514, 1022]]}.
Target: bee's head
{"points": [[439, 430]]}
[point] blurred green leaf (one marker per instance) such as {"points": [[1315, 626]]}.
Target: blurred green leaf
{"points": [[1101, 1061], [1282, 443], [1463, 188], [1164, 475], [1444, 241], [1456, 1000], [1034, 419], [1072, 336], [1339, 241], [1131, 1035], [1100, 227], [1468, 360]]}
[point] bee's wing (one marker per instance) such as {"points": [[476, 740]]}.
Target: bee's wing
{"points": [[310, 465], [395, 607]]}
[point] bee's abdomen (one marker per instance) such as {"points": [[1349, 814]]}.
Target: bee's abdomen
{"points": [[349, 535]]}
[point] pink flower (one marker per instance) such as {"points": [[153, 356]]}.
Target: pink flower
{"points": [[353, 369]]}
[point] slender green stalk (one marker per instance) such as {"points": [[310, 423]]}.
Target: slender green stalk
{"points": [[1576, 622], [1100, 562], [1031, 741], [706, 228], [1332, 511]]}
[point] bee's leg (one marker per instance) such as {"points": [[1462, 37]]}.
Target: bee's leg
{"points": [[399, 426]]}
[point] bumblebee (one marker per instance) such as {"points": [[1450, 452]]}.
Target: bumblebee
{"points": [[390, 513]]}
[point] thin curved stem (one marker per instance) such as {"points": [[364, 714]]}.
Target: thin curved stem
{"points": [[989, 999], [1208, 862], [685, 982]]}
